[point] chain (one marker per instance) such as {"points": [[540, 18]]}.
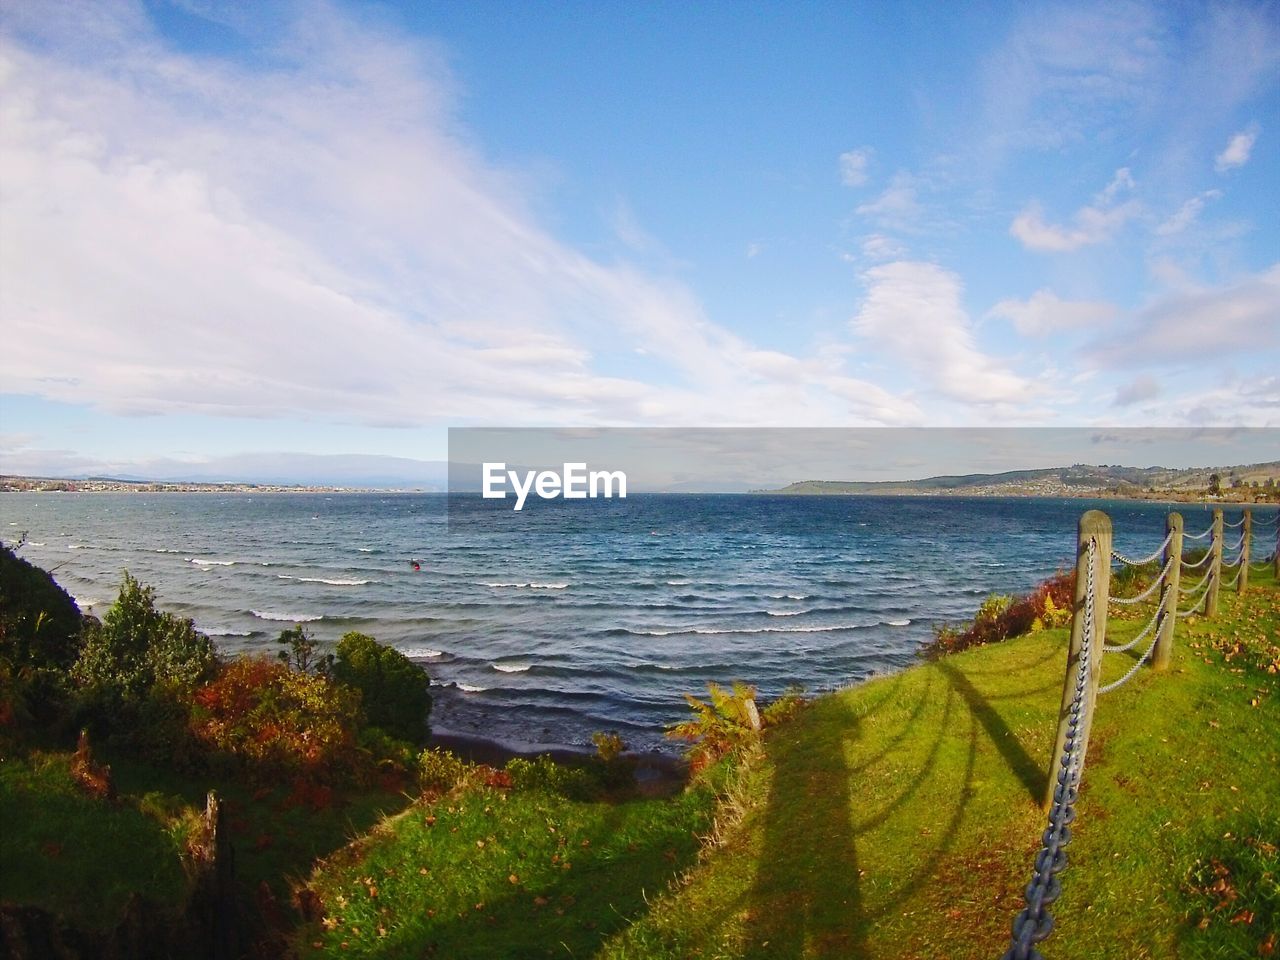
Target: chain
{"points": [[1195, 603], [1147, 592], [1238, 544], [1155, 618], [1238, 523], [1035, 923], [1199, 563], [1145, 560], [1197, 536], [1184, 593], [1140, 661]]}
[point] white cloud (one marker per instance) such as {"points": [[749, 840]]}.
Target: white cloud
{"points": [[1186, 215], [913, 310], [1237, 151], [877, 246], [1045, 313], [1198, 324], [319, 239], [898, 207], [853, 166], [1091, 224]]}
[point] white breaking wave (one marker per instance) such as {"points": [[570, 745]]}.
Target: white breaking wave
{"points": [[789, 596], [899, 623], [335, 582], [679, 583], [203, 562], [529, 586], [511, 667], [365, 549], [707, 631], [87, 602], [167, 550], [220, 632], [287, 617], [34, 543], [470, 687], [421, 653], [784, 613]]}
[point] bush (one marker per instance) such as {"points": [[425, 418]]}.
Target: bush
{"points": [[543, 773], [440, 770], [728, 722], [273, 720], [395, 690], [1001, 617], [138, 648], [39, 622]]}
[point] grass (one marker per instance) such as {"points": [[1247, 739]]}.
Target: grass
{"points": [[486, 872], [899, 819], [81, 857]]}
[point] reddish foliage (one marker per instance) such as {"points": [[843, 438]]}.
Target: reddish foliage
{"points": [[499, 779], [93, 778], [1051, 598]]}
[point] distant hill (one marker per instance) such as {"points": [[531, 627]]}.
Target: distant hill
{"points": [[1246, 481]]}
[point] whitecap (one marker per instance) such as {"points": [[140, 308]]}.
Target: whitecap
{"points": [[204, 562], [287, 617], [421, 653], [679, 583], [784, 613], [529, 586], [898, 623], [511, 667], [365, 549], [167, 550], [470, 687], [710, 631], [222, 632], [789, 596], [335, 582], [87, 602], [34, 543]]}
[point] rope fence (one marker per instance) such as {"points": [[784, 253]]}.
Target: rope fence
{"points": [[1081, 689]]}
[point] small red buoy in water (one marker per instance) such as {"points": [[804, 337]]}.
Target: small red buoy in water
{"points": [[416, 566]]}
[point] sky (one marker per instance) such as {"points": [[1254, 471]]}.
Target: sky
{"points": [[239, 232]]}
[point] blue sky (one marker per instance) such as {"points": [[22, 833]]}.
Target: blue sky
{"points": [[232, 229]]}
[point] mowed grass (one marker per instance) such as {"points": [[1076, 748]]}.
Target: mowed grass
{"points": [[490, 873], [900, 818], [83, 858]]}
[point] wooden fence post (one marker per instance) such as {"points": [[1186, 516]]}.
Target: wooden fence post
{"points": [[1246, 541], [1096, 526], [1215, 567], [1163, 652]]}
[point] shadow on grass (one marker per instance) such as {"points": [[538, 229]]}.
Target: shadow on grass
{"points": [[1031, 774]]}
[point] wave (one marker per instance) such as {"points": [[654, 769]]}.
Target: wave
{"points": [[422, 653], [679, 583], [898, 623], [713, 631], [334, 582], [365, 549], [34, 543], [167, 550], [224, 632], [790, 596], [287, 617], [86, 602], [784, 613], [511, 667], [469, 687], [530, 586], [203, 562]]}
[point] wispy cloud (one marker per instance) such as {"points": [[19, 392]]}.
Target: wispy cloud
{"points": [[319, 239], [1186, 215], [1044, 313], [853, 166], [1144, 387], [1237, 151], [913, 309], [1199, 324], [898, 207], [1090, 225]]}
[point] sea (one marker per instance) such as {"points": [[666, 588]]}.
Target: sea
{"points": [[574, 617]]}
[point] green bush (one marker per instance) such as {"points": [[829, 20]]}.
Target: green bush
{"points": [[729, 721], [441, 771], [394, 689], [543, 773], [138, 648], [39, 622]]}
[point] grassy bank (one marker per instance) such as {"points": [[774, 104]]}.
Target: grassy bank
{"points": [[896, 819]]}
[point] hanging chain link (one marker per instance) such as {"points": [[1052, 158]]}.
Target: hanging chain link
{"points": [[1145, 560]]}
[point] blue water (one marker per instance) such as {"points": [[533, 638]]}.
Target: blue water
{"points": [[574, 617]]}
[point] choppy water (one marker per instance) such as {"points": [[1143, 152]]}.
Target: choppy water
{"points": [[571, 618]]}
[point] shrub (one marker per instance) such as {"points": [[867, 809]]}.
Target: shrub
{"points": [[303, 654], [543, 773], [441, 770], [1002, 617], [273, 720], [39, 622], [785, 707], [138, 648], [728, 722], [613, 768], [395, 692]]}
